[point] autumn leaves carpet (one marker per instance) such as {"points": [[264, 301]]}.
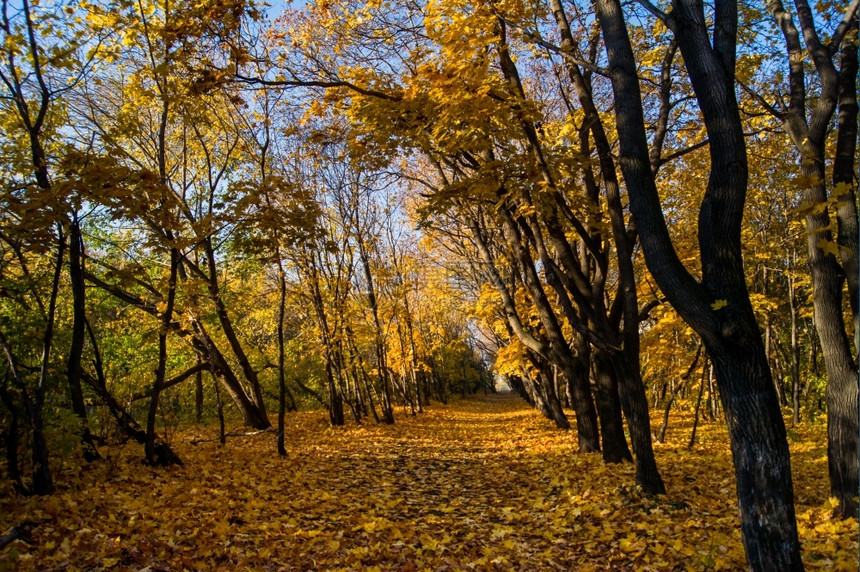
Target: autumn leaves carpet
{"points": [[483, 484]]}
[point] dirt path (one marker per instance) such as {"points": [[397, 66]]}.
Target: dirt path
{"points": [[481, 484]]}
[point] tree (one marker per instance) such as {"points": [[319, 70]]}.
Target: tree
{"points": [[832, 262], [35, 73], [718, 307]]}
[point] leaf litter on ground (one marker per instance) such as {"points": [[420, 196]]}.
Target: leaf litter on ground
{"points": [[481, 484]]}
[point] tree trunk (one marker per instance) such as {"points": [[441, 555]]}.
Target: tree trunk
{"points": [[381, 360], [282, 382], [692, 442], [808, 125], [615, 448], [795, 347], [253, 415], [718, 308], [230, 333], [842, 390], [76, 348], [827, 286], [198, 394], [10, 438], [157, 453], [203, 344]]}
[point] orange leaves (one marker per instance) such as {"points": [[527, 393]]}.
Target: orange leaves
{"points": [[484, 484]]}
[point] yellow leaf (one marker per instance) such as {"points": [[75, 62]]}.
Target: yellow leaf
{"points": [[828, 246]]}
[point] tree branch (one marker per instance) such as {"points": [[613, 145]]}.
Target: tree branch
{"points": [[659, 14], [316, 83], [844, 25], [200, 367]]}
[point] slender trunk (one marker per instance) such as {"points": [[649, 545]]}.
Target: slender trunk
{"points": [[43, 483], [282, 382], [230, 333], [160, 453], [219, 406], [198, 394], [417, 375], [126, 423], [692, 442], [76, 348], [661, 436], [381, 360], [713, 402], [795, 349]]}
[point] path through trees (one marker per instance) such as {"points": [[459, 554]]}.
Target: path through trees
{"points": [[485, 483]]}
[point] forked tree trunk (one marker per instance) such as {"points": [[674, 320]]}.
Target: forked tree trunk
{"points": [[719, 307], [808, 123]]}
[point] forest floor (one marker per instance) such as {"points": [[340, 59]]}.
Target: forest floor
{"points": [[483, 484]]}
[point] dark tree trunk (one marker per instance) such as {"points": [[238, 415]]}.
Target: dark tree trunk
{"points": [[43, 483], [552, 402], [845, 173], [692, 441], [536, 396], [760, 452], [719, 308], [334, 401], [842, 390], [10, 438], [198, 394], [795, 347], [157, 453], [615, 448], [282, 382], [219, 406], [76, 348], [124, 420], [253, 415], [634, 404], [230, 333]]}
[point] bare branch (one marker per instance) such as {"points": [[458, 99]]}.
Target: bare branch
{"points": [[772, 109], [316, 83]]}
